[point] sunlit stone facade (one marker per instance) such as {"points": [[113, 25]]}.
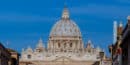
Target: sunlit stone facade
{"points": [[65, 47]]}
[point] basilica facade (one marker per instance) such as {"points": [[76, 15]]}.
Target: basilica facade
{"points": [[65, 47]]}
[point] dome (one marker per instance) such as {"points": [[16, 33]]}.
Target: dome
{"points": [[40, 43], [29, 49], [65, 26]]}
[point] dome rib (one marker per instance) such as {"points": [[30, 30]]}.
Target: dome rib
{"points": [[62, 28]]}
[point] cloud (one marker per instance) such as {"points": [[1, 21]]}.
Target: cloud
{"points": [[16, 17]]}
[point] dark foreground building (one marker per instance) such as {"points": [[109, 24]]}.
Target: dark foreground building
{"points": [[4, 55], [125, 44], [120, 50], [8, 56]]}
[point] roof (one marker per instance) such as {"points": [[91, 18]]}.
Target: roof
{"points": [[11, 50]]}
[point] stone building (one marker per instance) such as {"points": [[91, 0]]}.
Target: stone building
{"points": [[14, 59], [65, 47], [4, 55]]}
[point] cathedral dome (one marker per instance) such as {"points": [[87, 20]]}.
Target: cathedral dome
{"points": [[65, 26]]}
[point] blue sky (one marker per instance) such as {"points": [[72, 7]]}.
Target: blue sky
{"points": [[23, 22]]}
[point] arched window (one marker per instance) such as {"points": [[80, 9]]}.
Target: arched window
{"points": [[65, 51], [70, 44], [89, 50], [59, 45], [29, 56]]}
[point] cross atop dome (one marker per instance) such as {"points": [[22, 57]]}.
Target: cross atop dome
{"points": [[65, 14]]}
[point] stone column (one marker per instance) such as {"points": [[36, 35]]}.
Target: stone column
{"points": [[54, 46], [51, 46], [75, 47], [73, 44], [82, 47], [78, 45]]}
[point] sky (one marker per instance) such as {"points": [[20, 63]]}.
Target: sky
{"points": [[23, 22]]}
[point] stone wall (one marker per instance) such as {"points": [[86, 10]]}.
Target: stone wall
{"points": [[60, 63]]}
